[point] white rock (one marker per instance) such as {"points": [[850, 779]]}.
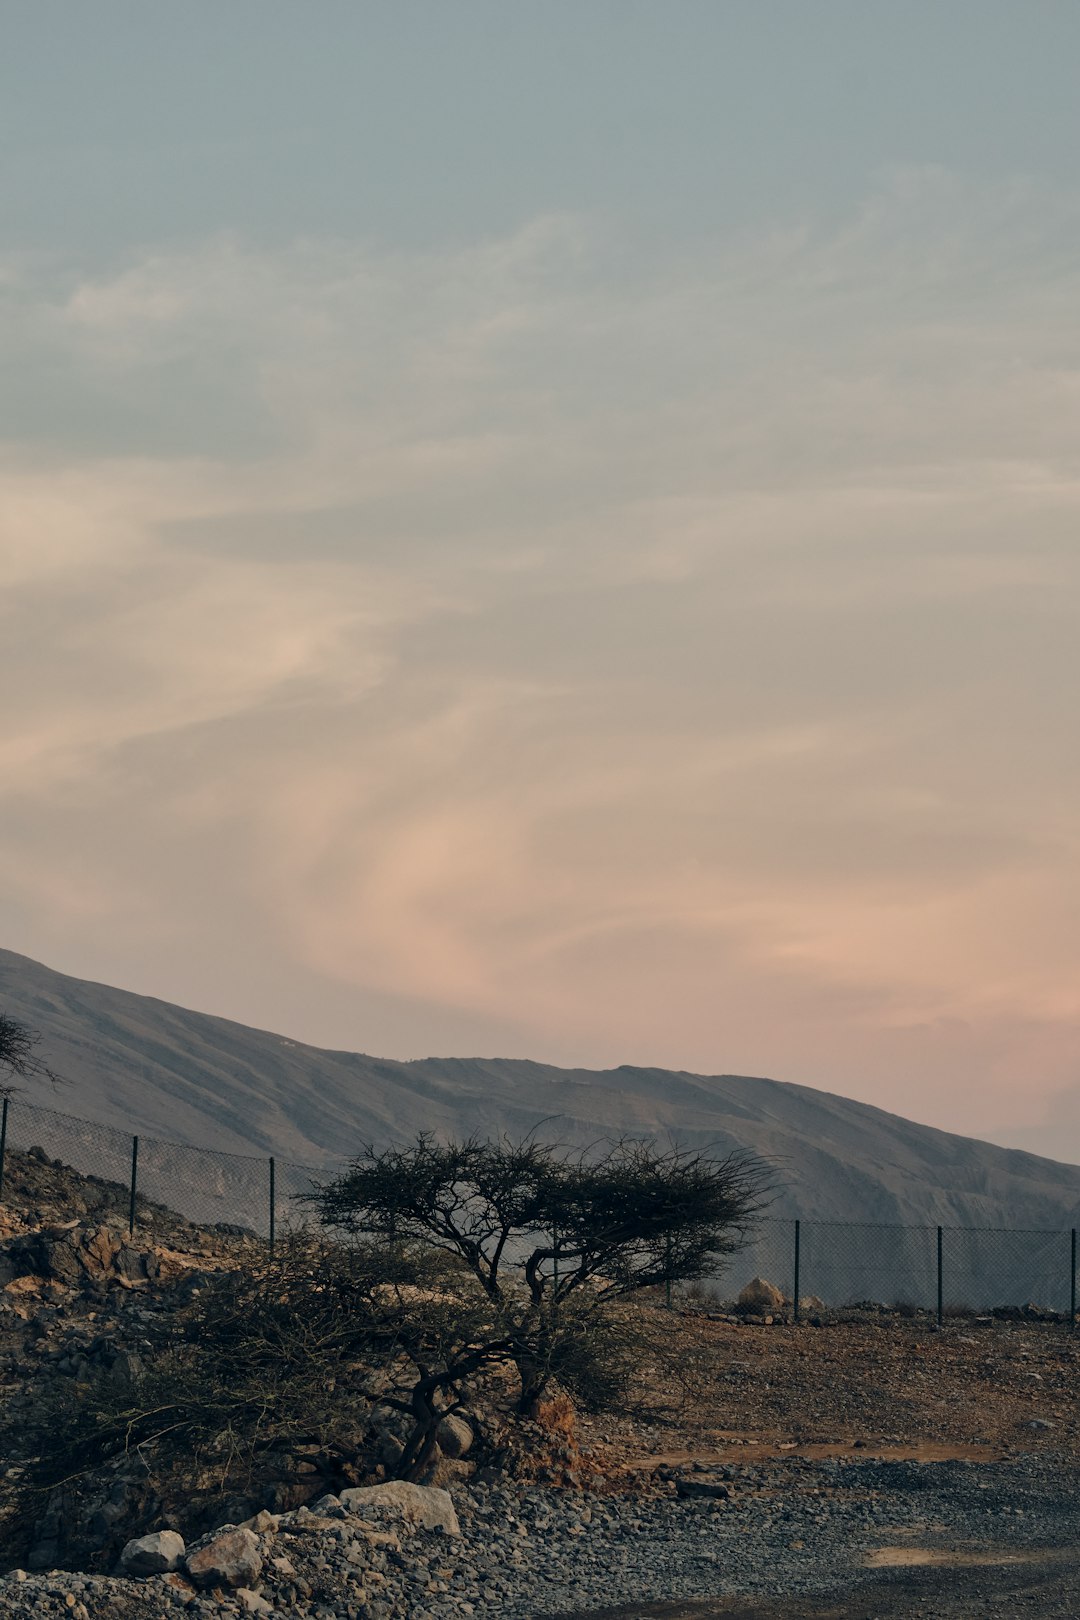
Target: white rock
{"points": [[424, 1507], [760, 1297], [157, 1554]]}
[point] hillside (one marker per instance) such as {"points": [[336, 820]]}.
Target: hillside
{"points": [[138, 1063]]}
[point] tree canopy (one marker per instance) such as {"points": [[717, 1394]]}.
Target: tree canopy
{"points": [[547, 1236]]}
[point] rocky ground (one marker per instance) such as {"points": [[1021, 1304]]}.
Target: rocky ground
{"points": [[980, 1388], [867, 1466], [834, 1538]]}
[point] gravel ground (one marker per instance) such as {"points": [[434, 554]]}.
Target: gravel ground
{"points": [[794, 1539]]}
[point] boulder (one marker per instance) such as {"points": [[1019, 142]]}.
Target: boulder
{"points": [[760, 1297], [157, 1554], [230, 1557], [424, 1507], [455, 1437]]}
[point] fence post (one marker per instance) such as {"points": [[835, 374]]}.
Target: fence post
{"points": [[272, 1206], [3, 1151], [795, 1295], [1072, 1266], [134, 1183], [940, 1289]]}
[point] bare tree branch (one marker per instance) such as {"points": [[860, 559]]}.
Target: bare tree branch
{"points": [[19, 1059]]}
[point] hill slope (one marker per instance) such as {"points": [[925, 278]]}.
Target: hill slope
{"points": [[142, 1064]]}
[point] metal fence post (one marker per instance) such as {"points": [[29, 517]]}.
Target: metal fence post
{"points": [[272, 1207], [795, 1290], [3, 1148], [1072, 1267], [134, 1182], [940, 1289]]}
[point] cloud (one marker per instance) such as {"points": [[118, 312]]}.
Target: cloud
{"points": [[632, 659]]}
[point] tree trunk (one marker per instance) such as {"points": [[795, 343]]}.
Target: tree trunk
{"points": [[534, 1381], [419, 1452]]}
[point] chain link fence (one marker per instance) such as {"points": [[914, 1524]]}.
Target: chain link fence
{"points": [[949, 1270], [831, 1264], [258, 1195]]}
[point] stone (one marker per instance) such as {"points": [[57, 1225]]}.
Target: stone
{"points": [[454, 1436], [714, 1488], [230, 1557], [380, 1539], [760, 1296], [329, 1506], [135, 1266], [99, 1250], [178, 1585], [157, 1554], [425, 1507], [263, 1521], [252, 1602]]}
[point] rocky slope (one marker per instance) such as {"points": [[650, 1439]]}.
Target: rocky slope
{"points": [[143, 1064]]}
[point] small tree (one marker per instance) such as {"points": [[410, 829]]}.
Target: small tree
{"points": [[19, 1059], [549, 1239]]}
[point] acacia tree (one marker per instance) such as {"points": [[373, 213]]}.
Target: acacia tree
{"points": [[19, 1058], [549, 1238]]}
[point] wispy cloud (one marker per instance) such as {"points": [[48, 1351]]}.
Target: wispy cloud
{"points": [[637, 659]]}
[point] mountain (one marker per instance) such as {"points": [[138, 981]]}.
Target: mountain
{"points": [[139, 1064]]}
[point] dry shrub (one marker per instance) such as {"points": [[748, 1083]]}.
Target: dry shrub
{"points": [[259, 1361], [702, 1294], [556, 1416]]}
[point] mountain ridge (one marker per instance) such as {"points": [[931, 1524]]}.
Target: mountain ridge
{"points": [[139, 1063]]}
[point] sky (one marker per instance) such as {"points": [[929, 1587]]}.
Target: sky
{"points": [[552, 531]]}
